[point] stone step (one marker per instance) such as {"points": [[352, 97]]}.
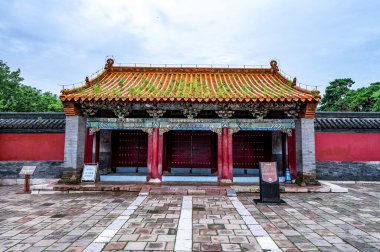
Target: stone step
{"points": [[137, 177], [200, 171], [189, 178], [192, 190], [252, 179], [122, 177], [143, 170]]}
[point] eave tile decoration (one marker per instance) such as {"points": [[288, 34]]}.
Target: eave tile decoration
{"points": [[189, 84]]}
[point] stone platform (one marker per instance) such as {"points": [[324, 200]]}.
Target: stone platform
{"points": [[178, 188]]}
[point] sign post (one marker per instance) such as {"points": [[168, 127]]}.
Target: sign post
{"points": [[89, 173], [27, 171], [269, 184]]}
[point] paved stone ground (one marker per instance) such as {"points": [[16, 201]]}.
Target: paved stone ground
{"points": [[309, 222]]}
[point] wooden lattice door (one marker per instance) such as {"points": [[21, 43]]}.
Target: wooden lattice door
{"points": [[191, 149], [129, 148], [250, 148]]}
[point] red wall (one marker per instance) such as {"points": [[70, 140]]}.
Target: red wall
{"points": [[347, 146], [32, 146], [329, 146]]}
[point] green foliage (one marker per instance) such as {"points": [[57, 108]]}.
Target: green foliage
{"points": [[314, 93], [17, 97], [339, 97], [335, 95], [376, 97], [116, 92], [145, 86], [121, 83], [97, 88]]}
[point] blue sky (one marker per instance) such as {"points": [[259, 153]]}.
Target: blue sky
{"points": [[60, 42]]}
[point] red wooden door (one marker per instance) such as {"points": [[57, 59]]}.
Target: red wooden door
{"points": [[250, 148], [129, 148], [191, 149]]}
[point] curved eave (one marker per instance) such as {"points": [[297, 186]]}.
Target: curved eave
{"points": [[179, 99]]}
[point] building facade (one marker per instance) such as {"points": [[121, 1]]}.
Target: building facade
{"points": [[346, 146], [161, 121]]}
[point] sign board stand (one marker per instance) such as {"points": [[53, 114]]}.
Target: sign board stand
{"points": [[27, 171], [269, 184], [89, 172]]}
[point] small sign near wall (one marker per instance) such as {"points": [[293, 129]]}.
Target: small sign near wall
{"points": [[89, 173], [27, 170]]}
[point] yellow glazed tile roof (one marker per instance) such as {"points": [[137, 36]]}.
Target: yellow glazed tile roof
{"points": [[122, 83]]}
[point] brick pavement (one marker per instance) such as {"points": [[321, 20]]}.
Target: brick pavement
{"points": [[309, 222]]}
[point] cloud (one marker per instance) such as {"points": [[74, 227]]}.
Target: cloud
{"points": [[60, 42]]}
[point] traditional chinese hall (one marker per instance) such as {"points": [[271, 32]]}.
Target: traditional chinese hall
{"points": [[189, 123]]}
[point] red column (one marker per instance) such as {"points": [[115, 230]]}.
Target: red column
{"points": [[155, 153], [292, 154], [155, 149], [160, 150], [284, 159], [230, 157], [88, 147], [149, 161], [97, 147], [225, 153], [220, 156]]}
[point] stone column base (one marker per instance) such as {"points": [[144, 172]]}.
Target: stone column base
{"points": [[225, 181], [154, 181], [307, 179]]}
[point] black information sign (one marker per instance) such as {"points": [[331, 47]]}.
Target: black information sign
{"points": [[269, 184]]}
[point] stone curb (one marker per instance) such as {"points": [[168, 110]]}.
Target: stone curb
{"points": [[353, 182], [143, 190], [286, 189], [335, 188]]}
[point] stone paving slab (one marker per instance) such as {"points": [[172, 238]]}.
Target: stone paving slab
{"points": [[73, 222]]}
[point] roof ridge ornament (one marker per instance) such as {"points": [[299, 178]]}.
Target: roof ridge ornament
{"points": [[273, 65], [109, 63]]}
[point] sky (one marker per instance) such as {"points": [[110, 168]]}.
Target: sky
{"points": [[62, 42]]}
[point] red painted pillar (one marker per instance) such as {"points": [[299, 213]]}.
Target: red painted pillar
{"points": [[88, 147], [97, 147], [155, 153], [220, 156], [155, 150], [149, 161], [284, 157], [230, 157], [225, 153], [292, 154], [160, 153]]}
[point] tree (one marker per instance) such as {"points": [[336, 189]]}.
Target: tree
{"points": [[17, 97], [339, 97], [364, 99], [335, 94]]}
